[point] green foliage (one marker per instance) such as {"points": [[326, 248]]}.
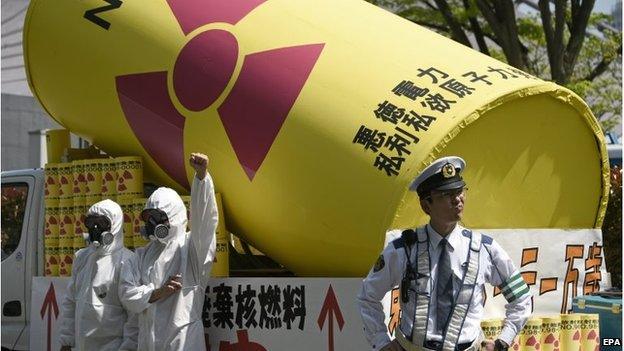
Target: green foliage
{"points": [[612, 229]]}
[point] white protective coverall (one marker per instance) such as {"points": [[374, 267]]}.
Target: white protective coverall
{"points": [[174, 322], [93, 315]]}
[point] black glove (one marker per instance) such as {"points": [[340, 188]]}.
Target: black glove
{"points": [[500, 345]]}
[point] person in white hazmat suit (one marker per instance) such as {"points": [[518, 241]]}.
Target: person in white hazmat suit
{"points": [[164, 282], [93, 317]]}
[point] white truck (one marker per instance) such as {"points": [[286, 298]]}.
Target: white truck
{"points": [[306, 303], [22, 251]]}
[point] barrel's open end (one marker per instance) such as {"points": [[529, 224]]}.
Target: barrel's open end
{"points": [[532, 162]]}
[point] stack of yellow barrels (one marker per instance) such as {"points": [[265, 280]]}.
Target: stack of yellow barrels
{"points": [[565, 332], [79, 202], [127, 206], [137, 207], [66, 219], [51, 230], [71, 189]]}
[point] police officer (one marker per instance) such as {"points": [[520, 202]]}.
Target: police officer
{"points": [[441, 269]]}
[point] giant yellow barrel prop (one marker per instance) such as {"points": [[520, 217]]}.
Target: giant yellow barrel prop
{"points": [[315, 122]]}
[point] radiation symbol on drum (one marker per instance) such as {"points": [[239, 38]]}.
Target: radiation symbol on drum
{"points": [[137, 226], [66, 220], [252, 113], [551, 340], [79, 225], [127, 218], [51, 220], [64, 181], [592, 335], [106, 179], [532, 342], [66, 262], [90, 180], [49, 183], [121, 186], [79, 179]]}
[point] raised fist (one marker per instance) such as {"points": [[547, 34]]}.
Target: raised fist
{"points": [[199, 162]]}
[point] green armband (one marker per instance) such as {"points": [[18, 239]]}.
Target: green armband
{"points": [[514, 287]]}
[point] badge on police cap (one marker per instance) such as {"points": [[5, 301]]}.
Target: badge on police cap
{"points": [[448, 170]]}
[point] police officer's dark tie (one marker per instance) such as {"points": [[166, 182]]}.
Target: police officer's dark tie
{"points": [[444, 287]]}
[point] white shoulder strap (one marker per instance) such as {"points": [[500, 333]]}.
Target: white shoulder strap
{"points": [[458, 316]]}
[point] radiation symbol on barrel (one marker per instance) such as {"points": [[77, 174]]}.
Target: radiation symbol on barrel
{"points": [[532, 342], [592, 335], [79, 225], [136, 225], [80, 179], [252, 113], [90, 180], [127, 218], [121, 186], [66, 220], [64, 182], [551, 340], [51, 220], [51, 261], [49, 183], [106, 179], [66, 262]]}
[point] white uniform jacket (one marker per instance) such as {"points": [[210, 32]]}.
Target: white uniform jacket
{"points": [[495, 268]]}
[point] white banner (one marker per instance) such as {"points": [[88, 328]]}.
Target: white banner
{"points": [[556, 264], [272, 314], [45, 312]]}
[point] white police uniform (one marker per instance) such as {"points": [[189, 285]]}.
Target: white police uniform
{"points": [[475, 259]]}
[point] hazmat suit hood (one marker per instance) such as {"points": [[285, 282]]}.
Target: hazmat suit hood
{"points": [[113, 212], [165, 253], [168, 201]]}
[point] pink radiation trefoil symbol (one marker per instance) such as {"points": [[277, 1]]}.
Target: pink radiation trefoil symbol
{"points": [[252, 113]]}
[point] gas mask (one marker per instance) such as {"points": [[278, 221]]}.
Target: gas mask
{"points": [[156, 224], [98, 228]]}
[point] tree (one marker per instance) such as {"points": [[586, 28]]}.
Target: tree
{"points": [[552, 44]]}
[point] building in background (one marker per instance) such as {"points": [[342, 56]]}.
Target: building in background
{"points": [[23, 121]]}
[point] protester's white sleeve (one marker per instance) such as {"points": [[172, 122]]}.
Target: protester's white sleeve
{"points": [[130, 333], [505, 276], [134, 295], [204, 219], [67, 333], [380, 280]]}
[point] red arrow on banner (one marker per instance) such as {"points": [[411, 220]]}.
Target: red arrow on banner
{"points": [[330, 307], [50, 306]]}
